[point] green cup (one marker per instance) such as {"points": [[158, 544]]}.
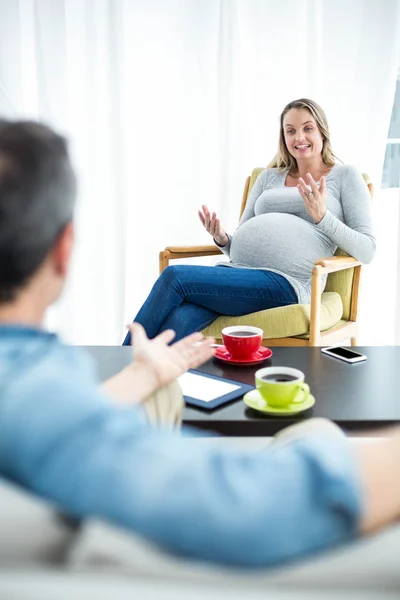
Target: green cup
{"points": [[281, 386]]}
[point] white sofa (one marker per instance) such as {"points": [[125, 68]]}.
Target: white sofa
{"points": [[45, 556]]}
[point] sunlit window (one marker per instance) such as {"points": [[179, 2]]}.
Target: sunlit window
{"points": [[391, 168]]}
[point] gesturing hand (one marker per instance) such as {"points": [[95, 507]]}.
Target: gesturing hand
{"points": [[213, 225], [162, 363], [314, 200]]}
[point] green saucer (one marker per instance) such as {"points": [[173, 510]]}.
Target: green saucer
{"points": [[256, 401]]}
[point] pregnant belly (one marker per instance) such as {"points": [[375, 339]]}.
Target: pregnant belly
{"points": [[281, 242]]}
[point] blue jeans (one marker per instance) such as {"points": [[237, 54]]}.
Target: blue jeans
{"points": [[187, 298]]}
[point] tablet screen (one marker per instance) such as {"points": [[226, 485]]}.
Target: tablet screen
{"points": [[204, 388]]}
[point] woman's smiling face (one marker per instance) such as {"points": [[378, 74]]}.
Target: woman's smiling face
{"points": [[302, 137]]}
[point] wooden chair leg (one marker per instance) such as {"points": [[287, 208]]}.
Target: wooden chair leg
{"points": [[163, 260], [315, 308]]}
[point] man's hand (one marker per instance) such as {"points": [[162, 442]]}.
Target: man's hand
{"points": [[156, 363], [165, 363]]}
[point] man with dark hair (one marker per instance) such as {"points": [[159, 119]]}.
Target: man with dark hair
{"points": [[91, 451], [37, 198], [37, 187]]}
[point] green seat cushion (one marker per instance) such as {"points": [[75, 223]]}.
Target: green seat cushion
{"points": [[342, 283], [285, 321], [340, 323]]}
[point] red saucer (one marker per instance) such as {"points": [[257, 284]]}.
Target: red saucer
{"points": [[262, 354]]}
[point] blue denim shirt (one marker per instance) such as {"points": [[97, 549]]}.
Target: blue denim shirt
{"points": [[62, 438]]}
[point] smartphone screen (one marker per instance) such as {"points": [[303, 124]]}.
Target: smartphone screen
{"points": [[344, 352]]}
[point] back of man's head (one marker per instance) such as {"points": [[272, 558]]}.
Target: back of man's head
{"points": [[37, 195]]}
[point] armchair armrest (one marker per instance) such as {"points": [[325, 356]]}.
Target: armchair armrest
{"points": [[335, 263], [171, 252], [198, 250], [324, 266]]}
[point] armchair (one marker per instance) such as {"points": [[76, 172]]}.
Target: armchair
{"points": [[331, 317]]}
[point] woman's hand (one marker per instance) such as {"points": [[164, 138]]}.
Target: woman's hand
{"points": [[314, 200], [213, 226]]}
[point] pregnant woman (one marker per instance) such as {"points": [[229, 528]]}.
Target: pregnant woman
{"points": [[301, 208]]}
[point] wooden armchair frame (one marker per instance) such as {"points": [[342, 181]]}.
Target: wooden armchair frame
{"points": [[322, 266]]}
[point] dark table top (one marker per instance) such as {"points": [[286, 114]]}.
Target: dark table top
{"points": [[356, 396]]}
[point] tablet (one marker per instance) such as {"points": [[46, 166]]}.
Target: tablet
{"points": [[210, 391]]}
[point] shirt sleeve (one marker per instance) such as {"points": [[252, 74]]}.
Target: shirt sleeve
{"points": [[259, 186], [71, 445], [354, 236]]}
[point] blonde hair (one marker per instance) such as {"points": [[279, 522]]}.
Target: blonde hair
{"points": [[283, 160]]}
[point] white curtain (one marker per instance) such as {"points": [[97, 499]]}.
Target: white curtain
{"points": [[169, 104]]}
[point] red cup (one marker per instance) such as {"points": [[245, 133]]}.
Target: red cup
{"points": [[242, 341]]}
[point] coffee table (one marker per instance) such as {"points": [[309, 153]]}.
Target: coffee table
{"points": [[356, 397]]}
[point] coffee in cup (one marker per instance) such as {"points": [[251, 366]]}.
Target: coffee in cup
{"points": [[242, 341], [279, 377], [281, 386]]}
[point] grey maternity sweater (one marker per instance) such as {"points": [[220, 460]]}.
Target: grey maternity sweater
{"points": [[276, 233]]}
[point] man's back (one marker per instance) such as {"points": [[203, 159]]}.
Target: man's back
{"points": [[64, 439]]}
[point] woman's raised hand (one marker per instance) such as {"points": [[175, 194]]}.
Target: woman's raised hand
{"points": [[212, 224], [314, 199]]}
